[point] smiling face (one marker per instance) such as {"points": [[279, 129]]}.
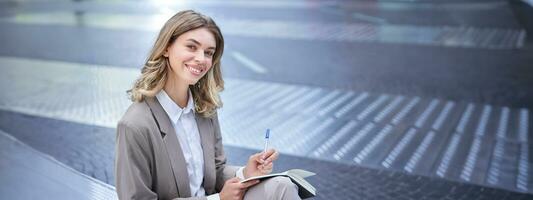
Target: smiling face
{"points": [[191, 55]]}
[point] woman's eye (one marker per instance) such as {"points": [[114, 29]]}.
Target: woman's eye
{"points": [[191, 47], [209, 54]]}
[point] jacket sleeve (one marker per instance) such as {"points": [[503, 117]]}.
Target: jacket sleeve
{"points": [[132, 164], [223, 171]]}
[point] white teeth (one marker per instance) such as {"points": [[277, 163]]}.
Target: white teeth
{"points": [[194, 69]]}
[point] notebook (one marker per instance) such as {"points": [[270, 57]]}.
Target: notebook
{"points": [[305, 189]]}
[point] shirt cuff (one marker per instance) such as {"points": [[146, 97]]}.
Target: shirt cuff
{"points": [[213, 197], [240, 173]]}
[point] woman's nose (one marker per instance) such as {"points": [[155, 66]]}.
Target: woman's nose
{"points": [[199, 57]]}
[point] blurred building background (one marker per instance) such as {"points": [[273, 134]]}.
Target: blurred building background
{"points": [[384, 99]]}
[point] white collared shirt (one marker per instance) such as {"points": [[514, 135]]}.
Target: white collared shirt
{"points": [[184, 123]]}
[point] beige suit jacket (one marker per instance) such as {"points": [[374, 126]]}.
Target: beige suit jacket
{"points": [[149, 162]]}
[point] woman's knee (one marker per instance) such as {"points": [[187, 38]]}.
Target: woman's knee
{"points": [[283, 182]]}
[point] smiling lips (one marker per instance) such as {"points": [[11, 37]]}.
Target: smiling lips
{"points": [[195, 69]]}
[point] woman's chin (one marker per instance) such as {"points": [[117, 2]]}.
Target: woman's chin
{"points": [[192, 81]]}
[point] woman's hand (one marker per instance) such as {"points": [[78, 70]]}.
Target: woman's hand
{"points": [[260, 163], [234, 190]]}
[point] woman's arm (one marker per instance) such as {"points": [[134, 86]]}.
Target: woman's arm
{"points": [[132, 164], [224, 172]]}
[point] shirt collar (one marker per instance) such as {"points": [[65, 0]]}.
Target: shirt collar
{"points": [[172, 109]]}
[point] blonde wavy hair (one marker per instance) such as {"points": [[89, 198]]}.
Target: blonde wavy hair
{"points": [[154, 73]]}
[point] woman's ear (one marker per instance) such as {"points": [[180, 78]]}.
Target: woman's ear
{"points": [[166, 53]]}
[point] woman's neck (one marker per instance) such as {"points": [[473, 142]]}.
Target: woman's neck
{"points": [[178, 92]]}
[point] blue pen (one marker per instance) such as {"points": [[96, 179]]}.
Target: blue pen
{"points": [[267, 136]]}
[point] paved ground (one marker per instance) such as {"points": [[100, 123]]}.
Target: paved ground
{"points": [[467, 50], [463, 141], [89, 150], [434, 92], [30, 174]]}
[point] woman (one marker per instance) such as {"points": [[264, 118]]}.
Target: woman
{"points": [[168, 143]]}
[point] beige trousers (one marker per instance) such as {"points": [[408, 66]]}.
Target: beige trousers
{"points": [[276, 188]]}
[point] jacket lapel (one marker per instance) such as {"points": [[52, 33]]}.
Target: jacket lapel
{"points": [[177, 160], [206, 131]]}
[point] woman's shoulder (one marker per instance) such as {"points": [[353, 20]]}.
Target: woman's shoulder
{"points": [[138, 115]]}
